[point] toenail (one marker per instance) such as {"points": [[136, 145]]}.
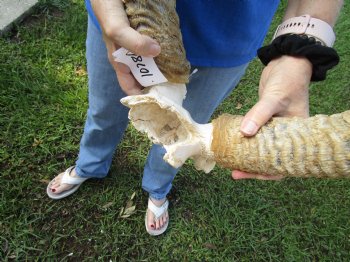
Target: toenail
{"points": [[53, 190], [152, 225]]}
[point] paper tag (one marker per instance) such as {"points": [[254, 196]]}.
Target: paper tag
{"points": [[143, 68]]}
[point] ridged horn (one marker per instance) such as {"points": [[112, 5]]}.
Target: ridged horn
{"points": [[318, 146], [159, 20]]}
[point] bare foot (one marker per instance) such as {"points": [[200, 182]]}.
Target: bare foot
{"points": [[57, 187], [151, 221]]}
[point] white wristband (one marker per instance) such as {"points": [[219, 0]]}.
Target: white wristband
{"points": [[307, 25]]}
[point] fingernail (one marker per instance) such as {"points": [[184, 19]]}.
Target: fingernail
{"points": [[154, 49], [250, 128]]}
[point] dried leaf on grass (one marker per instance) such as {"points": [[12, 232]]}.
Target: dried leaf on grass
{"points": [[129, 208], [108, 205], [129, 204], [238, 106], [121, 211], [209, 245], [36, 142], [128, 212], [80, 71], [45, 181]]}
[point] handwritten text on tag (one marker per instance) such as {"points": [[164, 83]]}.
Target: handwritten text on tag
{"points": [[143, 68]]}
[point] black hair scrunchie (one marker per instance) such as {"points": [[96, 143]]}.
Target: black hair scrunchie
{"points": [[321, 57]]}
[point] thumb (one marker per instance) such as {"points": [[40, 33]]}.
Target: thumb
{"points": [[116, 28], [135, 42], [258, 115]]}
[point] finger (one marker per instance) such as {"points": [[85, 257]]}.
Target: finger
{"points": [[258, 116], [135, 42], [236, 175], [122, 68], [127, 81], [115, 26]]}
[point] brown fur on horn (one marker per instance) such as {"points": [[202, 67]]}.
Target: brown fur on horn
{"points": [[159, 20], [318, 146]]}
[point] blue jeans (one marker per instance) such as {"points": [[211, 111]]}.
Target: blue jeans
{"points": [[107, 118]]}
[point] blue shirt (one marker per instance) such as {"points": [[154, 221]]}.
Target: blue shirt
{"points": [[221, 33]]}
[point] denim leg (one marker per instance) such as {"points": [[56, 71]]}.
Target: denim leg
{"points": [[107, 118], [206, 90]]}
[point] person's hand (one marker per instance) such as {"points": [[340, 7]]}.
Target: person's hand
{"points": [[283, 91], [118, 33]]}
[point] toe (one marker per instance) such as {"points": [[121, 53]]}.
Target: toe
{"points": [[161, 223], [150, 220], [158, 224], [62, 187], [165, 218], [56, 186], [57, 180], [162, 220]]}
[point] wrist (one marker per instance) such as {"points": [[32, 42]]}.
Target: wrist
{"points": [[307, 25], [321, 57], [299, 62]]}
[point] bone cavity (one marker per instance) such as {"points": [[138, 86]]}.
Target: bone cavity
{"points": [[158, 112]]}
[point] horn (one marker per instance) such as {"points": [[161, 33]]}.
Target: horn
{"points": [[159, 20], [318, 146]]}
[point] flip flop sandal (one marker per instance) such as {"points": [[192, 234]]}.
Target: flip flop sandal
{"points": [[66, 179], [158, 212]]}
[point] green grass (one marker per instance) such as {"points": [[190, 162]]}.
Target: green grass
{"points": [[43, 91]]}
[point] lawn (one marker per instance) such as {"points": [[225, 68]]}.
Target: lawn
{"points": [[43, 101]]}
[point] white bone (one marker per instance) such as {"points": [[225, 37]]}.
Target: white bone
{"points": [[158, 112]]}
